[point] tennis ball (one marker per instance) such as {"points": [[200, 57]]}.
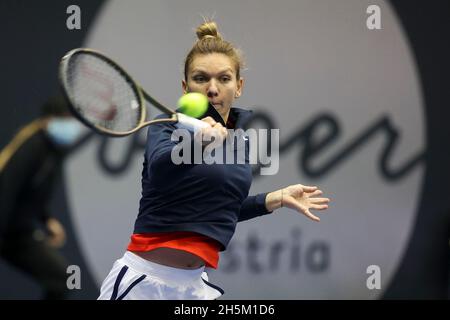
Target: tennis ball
{"points": [[193, 104]]}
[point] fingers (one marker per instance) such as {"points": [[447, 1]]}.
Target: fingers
{"points": [[302, 199], [308, 188], [214, 124], [209, 121], [221, 129], [319, 200], [311, 216], [316, 193], [216, 131], [295, 205], [319, 206]]}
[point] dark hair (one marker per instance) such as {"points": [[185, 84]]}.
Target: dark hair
{"points": [[55, 106]]}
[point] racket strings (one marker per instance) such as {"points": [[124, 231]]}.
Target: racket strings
{"points": [[101, 94]]}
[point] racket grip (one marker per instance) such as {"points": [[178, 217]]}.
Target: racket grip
{"points": [[191, 123]]}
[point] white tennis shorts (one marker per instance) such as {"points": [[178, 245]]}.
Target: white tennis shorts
{"points": [[134, 278]]}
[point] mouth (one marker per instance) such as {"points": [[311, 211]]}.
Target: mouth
{"points": [[216, 104]]}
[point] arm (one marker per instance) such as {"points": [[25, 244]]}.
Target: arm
{"points": [[254, 206], [297, 197], [160, 144], [13, 175]]}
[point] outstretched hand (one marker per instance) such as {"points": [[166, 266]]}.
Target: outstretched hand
{"points": [[299, 198]]}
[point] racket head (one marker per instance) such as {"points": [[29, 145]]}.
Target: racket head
{"points": [[101, 93]]}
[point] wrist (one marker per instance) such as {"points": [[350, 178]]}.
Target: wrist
{"points": [[274, 200]]}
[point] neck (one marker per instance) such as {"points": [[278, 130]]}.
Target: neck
{"points": [[224, 114]]}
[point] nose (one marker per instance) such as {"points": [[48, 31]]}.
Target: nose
{"points": [[212, 89]]}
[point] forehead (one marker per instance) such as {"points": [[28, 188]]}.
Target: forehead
{"points": [[212, 62]]}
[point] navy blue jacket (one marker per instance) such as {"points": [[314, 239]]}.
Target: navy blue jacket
{"points": [[204, 198]]}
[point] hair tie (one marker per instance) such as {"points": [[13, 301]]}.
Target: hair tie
{"points": [[281, 206]]}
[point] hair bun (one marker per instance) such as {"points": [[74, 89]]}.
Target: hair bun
{"points": [[210, 41], [208, 30]]}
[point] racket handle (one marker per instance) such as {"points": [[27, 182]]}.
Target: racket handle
{"points": [[191, 123]]}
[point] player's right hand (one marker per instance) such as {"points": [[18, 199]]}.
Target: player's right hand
{"points": [[215, 131]]}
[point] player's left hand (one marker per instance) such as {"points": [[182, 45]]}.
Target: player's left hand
{"points": [[304, 198], [299, 198]]}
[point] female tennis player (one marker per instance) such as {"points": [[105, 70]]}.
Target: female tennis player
{"points": [[188, 213]]}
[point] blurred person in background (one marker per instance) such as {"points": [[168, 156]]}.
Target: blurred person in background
{"points": [[30, 166]]}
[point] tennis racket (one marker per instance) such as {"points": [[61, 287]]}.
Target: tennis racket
{"points": [[103, 96]]}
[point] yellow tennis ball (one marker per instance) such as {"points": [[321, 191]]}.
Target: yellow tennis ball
{"points": [[193, 104]]}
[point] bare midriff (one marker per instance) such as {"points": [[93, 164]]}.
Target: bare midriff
{"points": [[172, 258]]}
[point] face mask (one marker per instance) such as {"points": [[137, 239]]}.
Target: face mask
{"points": [[64, 132]]}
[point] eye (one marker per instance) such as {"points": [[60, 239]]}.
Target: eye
{"points": [[225, 79], [199, 78]]}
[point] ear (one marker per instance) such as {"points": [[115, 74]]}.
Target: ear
{"points": [[184, 86], [240, 85]]}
